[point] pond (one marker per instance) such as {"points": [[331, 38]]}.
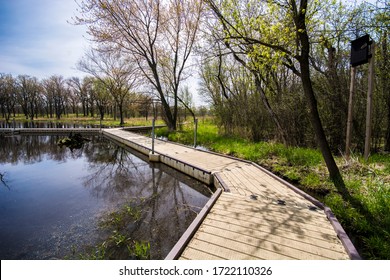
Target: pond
{"points": [[102, 201]]}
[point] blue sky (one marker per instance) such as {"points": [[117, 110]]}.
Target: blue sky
{"points": [[37, 40]]}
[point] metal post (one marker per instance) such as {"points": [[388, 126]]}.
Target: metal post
{"points": [[350, 113], [152, 156], [153, 123], [195, 131], [367, 144]]}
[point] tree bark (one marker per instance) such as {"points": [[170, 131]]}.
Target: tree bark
{"points": [[304, 63]]}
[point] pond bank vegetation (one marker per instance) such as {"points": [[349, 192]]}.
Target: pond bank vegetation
{"points": [[365, 217]]}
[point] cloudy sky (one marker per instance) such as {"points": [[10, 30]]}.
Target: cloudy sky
{"points": [[37, 40]]}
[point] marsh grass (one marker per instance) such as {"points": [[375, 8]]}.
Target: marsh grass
{"points": [[119, 244], [368, 224]]}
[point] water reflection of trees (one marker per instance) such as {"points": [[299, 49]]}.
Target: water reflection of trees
{"points": [[3, 181], [166, 208], [116, 175], [43, 124], [30, 149]]}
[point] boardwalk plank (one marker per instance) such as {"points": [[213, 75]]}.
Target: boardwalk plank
{"points": [[225, 246], [273, 216], [270, 238], [258, 246], [249, 227], [197, 253], [266, 203], [248, 222], [260, 223], [273, 220]]}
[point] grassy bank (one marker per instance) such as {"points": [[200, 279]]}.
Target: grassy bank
{"points": [[365, 216]]}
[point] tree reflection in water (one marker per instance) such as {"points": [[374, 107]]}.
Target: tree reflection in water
{"points": [[160, 202], [167, 205], [3, 180]]}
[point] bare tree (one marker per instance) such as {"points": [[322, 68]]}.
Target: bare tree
{"points": [[112, 68], [7, 95], [55, 94], [28, 93], [82, 90], [101, 95], [158, 35]]}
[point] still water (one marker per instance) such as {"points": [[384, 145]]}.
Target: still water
{"points": [[100, 201]]}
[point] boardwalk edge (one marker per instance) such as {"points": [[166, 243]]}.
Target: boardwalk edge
{"points": [[342, 235], [178, 249]]}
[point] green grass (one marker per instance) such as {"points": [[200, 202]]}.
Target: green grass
{"points": [[365, 217]]}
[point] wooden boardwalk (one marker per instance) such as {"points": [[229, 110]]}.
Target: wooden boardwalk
{"points": [[240, 228], [254, 214]]}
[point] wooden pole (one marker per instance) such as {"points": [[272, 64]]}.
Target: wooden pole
{"points": [[350, 113], [371, 74]]}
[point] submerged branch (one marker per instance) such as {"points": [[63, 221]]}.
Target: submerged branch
{"points": [[2, 175]]}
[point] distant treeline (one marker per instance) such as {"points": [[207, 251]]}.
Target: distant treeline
{"points": [[56, 97]]}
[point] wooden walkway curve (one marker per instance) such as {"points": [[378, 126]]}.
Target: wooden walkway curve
{"points": [[253, 214]]}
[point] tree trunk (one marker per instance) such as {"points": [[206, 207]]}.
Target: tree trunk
{"points": [[304, 64], [31, 111], [122, 122], [334, 171], [169, 118], [51, 110]]}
